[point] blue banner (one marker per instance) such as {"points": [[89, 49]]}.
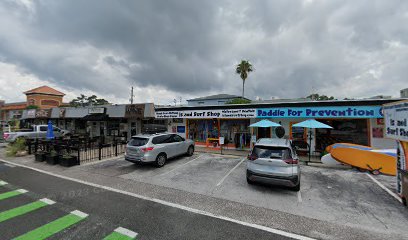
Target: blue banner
{"points": [[321, 112]]}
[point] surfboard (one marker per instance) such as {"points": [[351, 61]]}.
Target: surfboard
{"points": [[364, 157], [328, 160]]}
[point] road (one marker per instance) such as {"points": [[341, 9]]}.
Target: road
{"points": [[81, 211]]}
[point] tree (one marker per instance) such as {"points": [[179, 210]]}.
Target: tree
{"points": [[84, 101], [316, 96], [238, 101], [243, 68]]}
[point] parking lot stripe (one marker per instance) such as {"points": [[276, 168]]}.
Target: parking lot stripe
{"points": [[222, 180], [6, 215], [170, 204], [54, 227], [385, 188], [12, 194], [299, 195], [121, 233], [182, 165], [2, 183]]}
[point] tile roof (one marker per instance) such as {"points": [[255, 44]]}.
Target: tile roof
{"points": [[45, 90]]}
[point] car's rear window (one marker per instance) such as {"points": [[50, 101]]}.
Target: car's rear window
{"points": [[271, 152], [138, 141]]}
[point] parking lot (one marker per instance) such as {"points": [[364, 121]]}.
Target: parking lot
{"points": [[343, 196]]}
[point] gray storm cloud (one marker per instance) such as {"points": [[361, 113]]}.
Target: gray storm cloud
{"points": [[340, 48]]}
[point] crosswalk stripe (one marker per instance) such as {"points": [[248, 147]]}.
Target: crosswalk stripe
{"points": [[2, 183], [121, 233], [24, 209], [54, 227], [12, 194]]}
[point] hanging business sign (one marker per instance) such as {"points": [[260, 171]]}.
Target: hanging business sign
{"points": [[321, 112], [396, 125], [96, 110], [222, 113]]}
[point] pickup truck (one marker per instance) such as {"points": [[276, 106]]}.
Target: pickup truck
{"points": [[36, 132]]}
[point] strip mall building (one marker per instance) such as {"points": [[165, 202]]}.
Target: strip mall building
{"points": [[353, 121]]}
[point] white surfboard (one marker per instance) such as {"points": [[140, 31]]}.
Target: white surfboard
{"points": [[330, 161]]}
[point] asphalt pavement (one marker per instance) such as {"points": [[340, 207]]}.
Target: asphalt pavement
{"points": [[84, 212]]}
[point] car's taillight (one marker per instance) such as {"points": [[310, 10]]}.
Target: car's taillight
{"points": [[252, 157], [147, 149], [291, 161], [6, 135]]}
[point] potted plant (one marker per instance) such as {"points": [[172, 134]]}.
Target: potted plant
{"points": [[52, 158], [68, 160], [40, 156]]}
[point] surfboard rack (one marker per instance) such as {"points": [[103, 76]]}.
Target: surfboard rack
{"points": [[374, 171]]}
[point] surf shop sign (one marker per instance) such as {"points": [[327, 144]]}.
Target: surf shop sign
{"points": [[321, 112], [223, 113], [396, 121]]}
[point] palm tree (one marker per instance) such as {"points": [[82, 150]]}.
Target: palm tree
{"points": [[243, 68]]}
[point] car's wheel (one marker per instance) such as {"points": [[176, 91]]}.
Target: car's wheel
{"points": [[161, 160], [190, 151], [296, 188], [404, 201]]}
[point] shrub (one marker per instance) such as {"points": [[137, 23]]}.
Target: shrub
{"points": [[13, 148]]}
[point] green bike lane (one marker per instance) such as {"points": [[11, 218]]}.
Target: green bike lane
{"points": [[24, 218], [77, 211]]}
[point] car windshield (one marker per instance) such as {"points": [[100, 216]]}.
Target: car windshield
{"points": [[271, 152], [138, 141]]}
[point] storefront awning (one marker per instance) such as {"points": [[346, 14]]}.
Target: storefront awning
{"points": [[96, 117]]}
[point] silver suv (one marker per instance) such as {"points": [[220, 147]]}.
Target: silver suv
{"points": [[274, 161], [157, 148]]}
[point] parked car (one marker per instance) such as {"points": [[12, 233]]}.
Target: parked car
{"points": [[274, 161], [157, 148], [36, 132]]}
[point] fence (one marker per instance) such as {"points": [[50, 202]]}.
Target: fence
{"points": [[86, 150]]}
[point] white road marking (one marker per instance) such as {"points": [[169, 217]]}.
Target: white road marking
{"points": [[169, 204], [126, 232], [9, 165], [22, 190], [299, 195], [2, 183], [222, 180], [47, 201], [385, 188], [182, 165], [79, 214]]}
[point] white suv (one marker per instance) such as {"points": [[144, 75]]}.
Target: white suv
{"points": [[157, 148], [274, 161]]}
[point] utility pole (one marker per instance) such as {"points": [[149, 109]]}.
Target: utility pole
{"points": [[175, 102], [180, 100], [131, 95]]}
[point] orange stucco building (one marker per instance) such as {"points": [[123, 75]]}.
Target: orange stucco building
{"points": [[43, 97]]}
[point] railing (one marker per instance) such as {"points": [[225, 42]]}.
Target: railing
{"points": [[85, 150]]}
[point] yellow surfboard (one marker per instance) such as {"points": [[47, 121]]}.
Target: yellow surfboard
{"points": [[363, 157]]}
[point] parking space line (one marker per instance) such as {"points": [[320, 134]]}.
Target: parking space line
{"points": [[385, 188], [299, 195], [170, 204], [178, 167], [15, 212], [121, 233], [54, 227], [12, 194], [222, 180], [2, 183]]}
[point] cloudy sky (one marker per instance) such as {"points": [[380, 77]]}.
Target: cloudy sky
{"points": [[181, 48]]}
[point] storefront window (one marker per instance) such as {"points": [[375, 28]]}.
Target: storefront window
{"points": [[346, 131], [202, 129]]}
